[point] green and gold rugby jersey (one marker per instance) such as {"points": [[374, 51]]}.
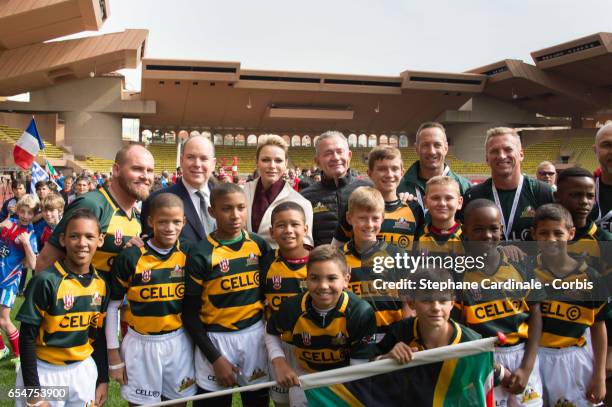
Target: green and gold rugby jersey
{"points": [[280, 279], [325, 341], [567, 315], [227, 280], [68, 309], [431, 243], [386, 303], [534, 194], [490, 311], [401, 226], [154, 284], [118, 227], [590, 242]]}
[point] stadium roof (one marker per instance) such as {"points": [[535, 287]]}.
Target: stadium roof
{"points": [[45, 64], [223, 95], [26, 22]]}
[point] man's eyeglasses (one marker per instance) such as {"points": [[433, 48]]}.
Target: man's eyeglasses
{"points": [[546, 173]]}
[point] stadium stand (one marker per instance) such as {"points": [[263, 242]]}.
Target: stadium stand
{"points": [[10, 135]]}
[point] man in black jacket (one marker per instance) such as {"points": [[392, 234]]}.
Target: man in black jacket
{"points": [[327, 197], [197, 165]]}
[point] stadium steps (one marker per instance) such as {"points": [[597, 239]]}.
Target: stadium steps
{"points": [[582, 149], [10, 135]]}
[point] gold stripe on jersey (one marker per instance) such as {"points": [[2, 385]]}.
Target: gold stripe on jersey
{"points": [[492, 310], [72, 322], [229, 316], [399, 227], [586, 244], [428, 243], [151, 325], [281, 283], [150, 262], [154, 293], [551, 340], [233, 283], [60, 356], [387, 317], [569, 312]]}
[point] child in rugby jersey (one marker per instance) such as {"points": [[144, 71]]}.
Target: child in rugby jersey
{"points": [[328, 326], [431, 328], [442, 235], [152, 278], [571, 373], [512, 311], [52, 207], [17, 250], [576, 192], [402, 221], [365, 255], [283, 271], [61, 336], [223, 306]]}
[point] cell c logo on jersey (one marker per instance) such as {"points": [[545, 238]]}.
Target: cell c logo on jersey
{"points": [[276, 282], [68, 301], [224, 265], [146, 276], [118, 237], [306, 338]]}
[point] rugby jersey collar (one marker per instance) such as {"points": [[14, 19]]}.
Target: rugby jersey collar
{"points": [[546, 276], [113, 204], [455, 231], [349, 248], [308, 308], [278, 257], [586, 232], [65, 272], [393, 205], [454, 339], [148, 249], [215, 243]]}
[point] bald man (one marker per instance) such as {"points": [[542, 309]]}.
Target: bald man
{"points": [[602, 212], [196, 165]]}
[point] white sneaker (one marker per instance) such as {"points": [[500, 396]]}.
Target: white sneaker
{"points": [[4, 352]]}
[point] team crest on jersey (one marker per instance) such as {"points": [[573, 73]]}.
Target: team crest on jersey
{"points": [[68, 301], [306, 338], [118, 237], [146, 276], [528, 212], [319, 207], [178, 272], [401, 223], [96, 299], [339, 339], [276, 282], [224, 265], [252, 260]]}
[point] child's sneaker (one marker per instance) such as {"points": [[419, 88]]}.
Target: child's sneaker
{"points": [[17, 362], [4, 353]]}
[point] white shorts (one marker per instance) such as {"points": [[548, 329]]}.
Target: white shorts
{"points": [[157, 365], [567, 373], [80, 377], [511, 357], [278, 393], [245, 348], [8, 294]]}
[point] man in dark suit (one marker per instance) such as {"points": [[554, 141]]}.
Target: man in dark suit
{"points": [[197, 164]]}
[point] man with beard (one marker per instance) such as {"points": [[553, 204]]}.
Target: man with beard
{"points": [[197, 165], [431, 146], [602, 212], [113, 206]]}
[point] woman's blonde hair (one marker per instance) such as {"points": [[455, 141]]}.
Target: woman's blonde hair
{"points": [[272, 140]]}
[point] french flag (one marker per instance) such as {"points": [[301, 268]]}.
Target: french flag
{"points": [[27, 147]]}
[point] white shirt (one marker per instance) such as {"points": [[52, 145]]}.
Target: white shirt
{"points": [[208, 221]]}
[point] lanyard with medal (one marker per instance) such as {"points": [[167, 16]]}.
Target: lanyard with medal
{"points": [[600, 219], [418, 193], [517, 195]]}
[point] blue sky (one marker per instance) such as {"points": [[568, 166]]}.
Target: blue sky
{"points": [[382, 37]]}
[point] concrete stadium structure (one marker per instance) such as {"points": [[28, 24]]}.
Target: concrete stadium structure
{"points": [[80, 102]]}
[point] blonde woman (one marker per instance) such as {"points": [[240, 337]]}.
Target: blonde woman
{"points": [[270, 189]]}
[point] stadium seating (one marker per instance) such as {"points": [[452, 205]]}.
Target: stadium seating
{"points": [[582, 152], [10, 135]]}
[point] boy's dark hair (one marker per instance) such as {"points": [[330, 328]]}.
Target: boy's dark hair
{"points": [[221, 190], [477, 204], [40, 184], [165, 200], [327, 252], [555, 212], [82, 213], [83, 178], [287, 206], [573, 173], [16, 182]]}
